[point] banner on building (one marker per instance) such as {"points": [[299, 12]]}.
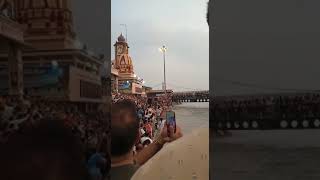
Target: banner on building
{"points": [[125, 87]]}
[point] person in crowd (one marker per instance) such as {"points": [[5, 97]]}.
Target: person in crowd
{"points": [[145, 141], [125, 134], [96, 164], [47, 151], [148, 128]]}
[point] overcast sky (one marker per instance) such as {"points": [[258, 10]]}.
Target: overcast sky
{"points": [[270, 44], [180, 25], [273, 45]]}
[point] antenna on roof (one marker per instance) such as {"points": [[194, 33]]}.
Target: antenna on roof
{"points": [[125, 25]]}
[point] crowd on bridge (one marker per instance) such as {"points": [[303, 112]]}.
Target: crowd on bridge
{"points": [[291, 106], [192, 95]]}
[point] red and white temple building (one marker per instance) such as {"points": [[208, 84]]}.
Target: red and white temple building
{"points": [[43, 58], [124, 76]]}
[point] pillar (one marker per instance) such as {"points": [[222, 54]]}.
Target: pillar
{"points": [[117, 84], [15, 65]]}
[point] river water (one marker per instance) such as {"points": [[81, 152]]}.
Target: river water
{"points": [[191, 116], [251, 155]]}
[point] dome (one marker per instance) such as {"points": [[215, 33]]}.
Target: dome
{"points": [[121, 38]]}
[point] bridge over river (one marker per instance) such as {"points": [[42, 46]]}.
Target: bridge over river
{"points": [[277, 111], [191, 96]]}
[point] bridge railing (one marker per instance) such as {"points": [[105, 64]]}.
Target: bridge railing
{"points": [[265, 120], [191, 98], [267, 123], [291, 112]]}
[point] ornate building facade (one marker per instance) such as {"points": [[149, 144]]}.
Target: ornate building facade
{"points": [[53, 67], [128, 82], [123, 61], [48, 23]]}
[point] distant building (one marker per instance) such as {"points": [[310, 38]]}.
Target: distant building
{"points": [[128, 82], [146, 89]]}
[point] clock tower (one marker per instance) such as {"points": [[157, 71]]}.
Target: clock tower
{"points": [[123, 61]]}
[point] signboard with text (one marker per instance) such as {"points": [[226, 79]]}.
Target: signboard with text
{"points": [[125, 87], [136, 88]]}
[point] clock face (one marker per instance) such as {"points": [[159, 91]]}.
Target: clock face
{"points": [[120, 49]]}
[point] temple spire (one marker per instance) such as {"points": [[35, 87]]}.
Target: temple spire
{"points": [[49, 23]]}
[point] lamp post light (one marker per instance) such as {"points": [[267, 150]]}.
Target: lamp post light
{"points": [[164, 49]]}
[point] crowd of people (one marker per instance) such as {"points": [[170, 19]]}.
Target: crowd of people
{"points": [[191, 95], [91, 128], [138, 132], [306, 105], [150, 114]]}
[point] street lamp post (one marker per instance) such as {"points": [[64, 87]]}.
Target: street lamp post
{"points": [[164, 49]]}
